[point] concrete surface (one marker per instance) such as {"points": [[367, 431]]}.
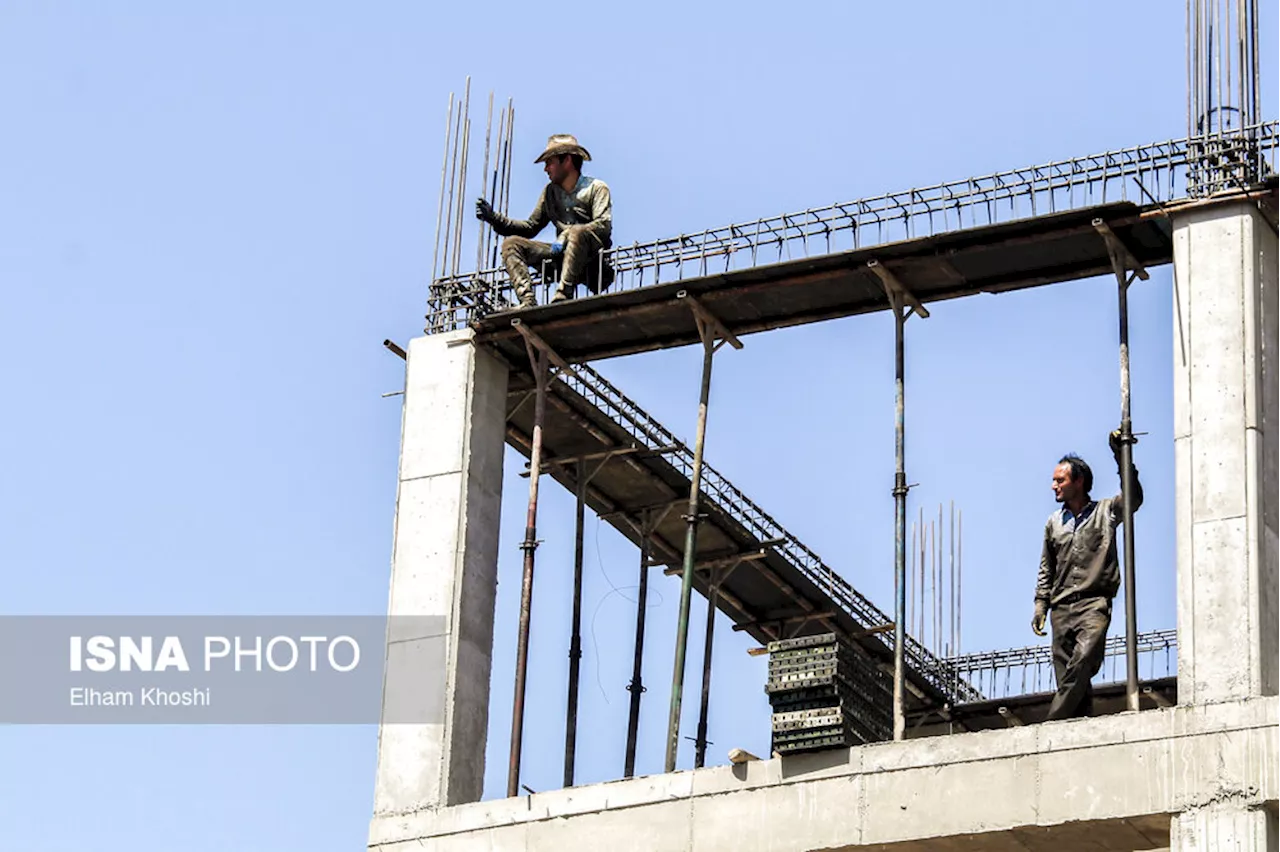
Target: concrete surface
{"points": [[444, 564], [1224, 341], [1115, 780]]}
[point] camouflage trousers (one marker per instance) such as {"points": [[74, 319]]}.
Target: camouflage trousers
{"points": [[579, 263]]}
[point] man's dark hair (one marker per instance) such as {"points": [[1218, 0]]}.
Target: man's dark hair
{"points": [[1079, 470], [577, 161]]}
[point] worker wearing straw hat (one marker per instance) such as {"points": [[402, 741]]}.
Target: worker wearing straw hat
{"points": [[581, 209]]}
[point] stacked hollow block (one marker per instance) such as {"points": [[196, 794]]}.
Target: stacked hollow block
{"points": [[824, 695]]}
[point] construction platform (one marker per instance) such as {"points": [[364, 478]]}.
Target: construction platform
{"points": [[993, 259]]}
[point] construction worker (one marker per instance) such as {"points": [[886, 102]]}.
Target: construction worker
{"points": [[582, 211], [1078, 579]]}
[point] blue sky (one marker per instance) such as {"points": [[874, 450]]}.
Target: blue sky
{"points": [[211, 215]]}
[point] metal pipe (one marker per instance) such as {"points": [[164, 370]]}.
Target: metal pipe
{"points": [[539, 361], [1126, 468], [636, 687], [700, 751], [690, 551], [575, 638], [960, 583], [900, 527]]}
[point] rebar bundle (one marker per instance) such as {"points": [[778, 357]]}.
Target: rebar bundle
{"points": [[1224, 81]]}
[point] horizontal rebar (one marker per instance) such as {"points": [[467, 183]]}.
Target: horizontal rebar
{"points": [[1161, 170]]}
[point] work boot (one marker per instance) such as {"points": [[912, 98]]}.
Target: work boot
{"points": [[564, 292], [523, 286]]}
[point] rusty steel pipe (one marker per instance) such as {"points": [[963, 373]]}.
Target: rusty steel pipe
{"points": [[529, 545], [900, 528], [575, 639], [700, 745], [636, 687], [690, 552], [1126, 486]]}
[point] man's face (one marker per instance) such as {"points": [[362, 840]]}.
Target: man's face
{"points": [[557, 168], [1065, 489]]}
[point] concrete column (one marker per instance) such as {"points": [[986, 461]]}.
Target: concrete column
{"points": [[1224, 828], [1225, 433], [444, 567]]}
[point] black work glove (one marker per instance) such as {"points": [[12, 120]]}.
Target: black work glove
{"points": [[483, 211], [1037, 620]]}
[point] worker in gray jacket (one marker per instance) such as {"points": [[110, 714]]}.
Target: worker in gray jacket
{"points": [[581, 209], [1078, 579]]}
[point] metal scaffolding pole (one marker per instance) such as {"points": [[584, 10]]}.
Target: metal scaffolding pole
{"points": [[700, 744], [713, 335], [541, 357], [902, 303], [575, 638], [1122, 260], [636, 686]]}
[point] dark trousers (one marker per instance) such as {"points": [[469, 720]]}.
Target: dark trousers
{"points": [[1079, 645], [578, 264]]}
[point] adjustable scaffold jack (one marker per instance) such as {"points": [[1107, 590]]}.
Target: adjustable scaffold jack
{"points": [[541, 359], [713, 335], [1122, 261], [903, 303]]}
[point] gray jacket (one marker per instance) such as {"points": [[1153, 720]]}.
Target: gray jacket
{"points": [[1079, 555]]}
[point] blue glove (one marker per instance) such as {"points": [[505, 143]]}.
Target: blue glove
{"points": [[557, 248]]}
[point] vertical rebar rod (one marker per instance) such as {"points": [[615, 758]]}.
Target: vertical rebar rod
{"points": [[937, 543], [690, 551], [511, 135], [462, 195], [636, 687], [708, 644], [933, 586], [453, 176], [921, 634], [499, 180], [960, 581], [575, 637], [539, 362], [911, 592], [951, 586], [490, 235], [1255, 112], [482, 235], [1126, 468], [444, 171], [900, 525], [462, 175]]}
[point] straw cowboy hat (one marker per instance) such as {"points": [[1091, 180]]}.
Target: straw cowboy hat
{"points": [[561, 144]]}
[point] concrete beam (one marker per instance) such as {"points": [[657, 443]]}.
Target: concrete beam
{"points": [[1110, 782]]}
